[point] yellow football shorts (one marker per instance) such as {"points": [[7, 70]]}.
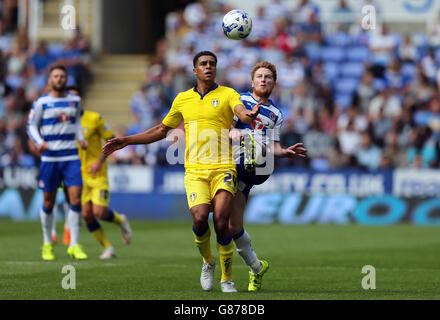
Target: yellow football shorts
{"points": [[96, 191], [201, 185]]}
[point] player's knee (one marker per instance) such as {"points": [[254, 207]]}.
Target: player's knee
{"points": [[234, 227], [88, 216], [200, 223], [100, 212]]}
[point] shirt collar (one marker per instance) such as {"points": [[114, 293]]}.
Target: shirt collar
{"points": [[214, 86]]}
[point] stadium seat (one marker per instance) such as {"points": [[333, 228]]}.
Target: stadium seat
{"points": [[313, 52], [346, 85], [379, 84], [352, 69], [437, 55], [409, 70], [358, 53], [331, 70], [335, 54], [344, 100], [338, 39]]}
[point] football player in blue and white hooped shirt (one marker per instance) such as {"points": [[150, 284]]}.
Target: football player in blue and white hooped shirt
{"points": [[264, 78], [54, 125]]}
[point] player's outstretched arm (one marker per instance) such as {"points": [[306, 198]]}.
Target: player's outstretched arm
{"points": [[245, 115], [297, 150], [154, 134]]}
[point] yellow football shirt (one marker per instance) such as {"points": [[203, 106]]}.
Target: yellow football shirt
{"points": [[207, 119], [95, 129]]}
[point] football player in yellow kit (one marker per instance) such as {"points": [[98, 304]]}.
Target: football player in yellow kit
{"points": [[96, 195], [207, 111]]}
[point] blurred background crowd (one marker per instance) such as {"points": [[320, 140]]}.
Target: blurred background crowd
{"points": [[23, 77], [356, 98]]}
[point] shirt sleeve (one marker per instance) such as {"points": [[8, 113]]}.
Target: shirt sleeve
{"points": [[234, 100], [104, 129], [277, 128], [174, 116], [33, 122], [78, 127]]}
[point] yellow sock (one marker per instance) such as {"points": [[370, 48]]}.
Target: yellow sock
{"points": [[225, 255], [115, 217], [99, 235], [204, 245]]}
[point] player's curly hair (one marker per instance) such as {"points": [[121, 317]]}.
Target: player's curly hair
{"points": [[267, 65]]}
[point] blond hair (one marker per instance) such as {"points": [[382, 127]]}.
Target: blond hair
{"points": [[267, 65]]}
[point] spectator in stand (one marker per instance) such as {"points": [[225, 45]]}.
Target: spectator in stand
{"points": [[391, 105], [349, 140], [365, 92], [301, 14], [343, 15], [358, 120], [393, 155], [262, 27], [275, 10], [368, 156], [5, 39], [380, 126], [311, 31], [407, 51], [382, 46], [39, 63], [422, 151]]}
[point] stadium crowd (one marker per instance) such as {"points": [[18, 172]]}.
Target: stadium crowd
{"points": [[23, 76], [354, 97]]}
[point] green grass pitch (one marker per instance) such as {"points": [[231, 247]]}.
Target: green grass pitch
{"points": [[162, 262]]}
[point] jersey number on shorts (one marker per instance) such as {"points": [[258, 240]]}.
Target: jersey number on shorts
{"points": [[228, 177], [103, 194]]}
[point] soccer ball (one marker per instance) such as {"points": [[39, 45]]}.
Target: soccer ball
{"points": [[237, 24]]}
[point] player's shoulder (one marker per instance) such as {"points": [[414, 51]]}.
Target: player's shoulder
{"points": [[92, 115], [273, 108], [73, 97], [43, 98], [226, 90]]}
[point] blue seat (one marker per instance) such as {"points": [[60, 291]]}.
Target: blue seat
{"points": [[338, 39], [352, 69], [331, 70], [379, 84], [313, 52], [437, 55], [358, 53], [344, 100], [409, 70], [346, 85], [335, 54]]}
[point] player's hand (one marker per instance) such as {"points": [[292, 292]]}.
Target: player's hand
{"points": [[42, 147], [255, 110], [83, 144], [95, 167], [234, 135], [296, 150], [114, 144]]}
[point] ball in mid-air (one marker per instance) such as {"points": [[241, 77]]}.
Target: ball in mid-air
{"points": [[237, 24]]}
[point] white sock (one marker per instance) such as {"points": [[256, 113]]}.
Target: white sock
{"points": [[54, 223], [74, 219], [46, 224], [66, 208], [245, 250]]}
